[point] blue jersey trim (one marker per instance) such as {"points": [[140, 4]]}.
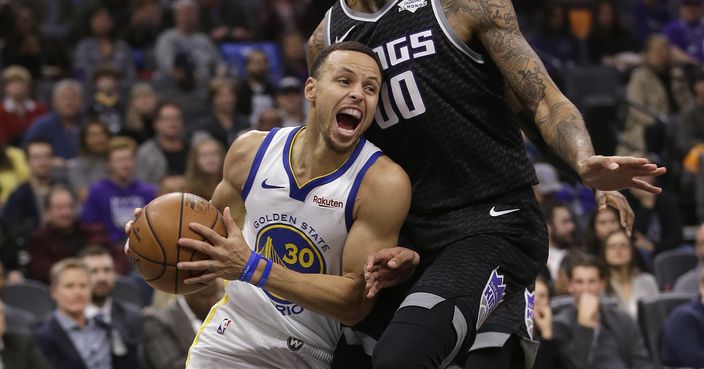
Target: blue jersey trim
{"points": [[300, 193], [257, 162], [352, 196]]}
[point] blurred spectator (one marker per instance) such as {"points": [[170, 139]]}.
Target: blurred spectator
{"points": [[548, 356], [90, 165], [102, 49], [169, 332], [223, 123], [627, 283], [18, 109], [268, 120], [686, 34], [167, 152], [683, 337], [139, 116], [601, 223], [658, 223], [24, 209], [593, 335], [225, 21], [185, 38], [204, 168], [54, 15], [82, 26], [145, 24], [689, 282], [581, 16], [46, 58], [61, 236], [561, 239], [13, 171], [123, 320], [293, 56], [690, 125], [255, 92], [69, 340], [18, 350], [111, 201], [548, 183], [182, 87], [61, 127], [655, 88], [289, 100], [609, 42], [649, 16], [553, 41], [171, 183], [280, 17], [107, 106]]}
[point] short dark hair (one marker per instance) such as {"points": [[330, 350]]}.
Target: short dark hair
{"points": [[549, 210], [94, 250], [587, 261], [54, 190], [319, 59], [164, 104]]}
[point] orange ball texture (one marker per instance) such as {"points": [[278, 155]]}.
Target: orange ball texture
{"points": [[154, 236]]}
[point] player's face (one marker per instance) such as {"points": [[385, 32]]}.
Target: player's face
{"points": [[102, 274], [72, 291], [585, 279], [344, 97]]}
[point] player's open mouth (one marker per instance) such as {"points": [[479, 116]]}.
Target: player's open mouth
{"points": [[347, 120]]}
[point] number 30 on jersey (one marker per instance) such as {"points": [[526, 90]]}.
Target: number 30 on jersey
{"points": [[401, 93]]}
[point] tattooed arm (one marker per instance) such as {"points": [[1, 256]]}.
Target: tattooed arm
{"points": [[494, 24], [316, 43]]}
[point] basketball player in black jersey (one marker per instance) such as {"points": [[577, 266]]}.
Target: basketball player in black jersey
{"points": [[450, 69]]}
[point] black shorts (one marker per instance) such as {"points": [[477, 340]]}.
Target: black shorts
{"points": [[488, 274]]}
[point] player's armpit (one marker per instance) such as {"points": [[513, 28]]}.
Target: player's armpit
{"points": [[494, 22], [316, 43]]}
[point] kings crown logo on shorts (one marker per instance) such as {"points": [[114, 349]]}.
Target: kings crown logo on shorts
{"points": [[530, 312], [411, 5], [492, 296]]}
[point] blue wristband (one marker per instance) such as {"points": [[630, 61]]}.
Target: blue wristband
{"points": [[250, 267], [265, 273]]}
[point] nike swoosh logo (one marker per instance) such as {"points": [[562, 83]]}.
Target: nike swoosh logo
{"points": [[268, 186], [340, 39], [495, 213]]}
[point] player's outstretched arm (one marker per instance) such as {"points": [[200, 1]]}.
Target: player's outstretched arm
{"points": [[494, 22]]}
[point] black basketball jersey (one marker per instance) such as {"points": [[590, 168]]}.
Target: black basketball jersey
{"points": [[442, 114]]}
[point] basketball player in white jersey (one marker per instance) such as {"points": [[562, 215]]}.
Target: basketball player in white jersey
{"points": [[312, 203]]}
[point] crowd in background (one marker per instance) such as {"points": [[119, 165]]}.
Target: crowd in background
{"points": [[106, 104]]}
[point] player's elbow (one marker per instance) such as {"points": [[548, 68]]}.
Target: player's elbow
{"points": [[354, 313]]}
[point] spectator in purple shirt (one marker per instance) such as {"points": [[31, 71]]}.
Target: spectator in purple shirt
{"points": [[686, 34], [111, 201], [649, 16]]}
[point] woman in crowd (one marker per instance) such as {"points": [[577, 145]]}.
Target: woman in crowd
{"points": [[140, 112], [600, 224], [102, 50], [609, 42], [627, 284], [90, 164], [204, 167]]}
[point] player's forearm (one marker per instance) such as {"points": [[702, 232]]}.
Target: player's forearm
{"points": [[563, 129], [338, 297]]}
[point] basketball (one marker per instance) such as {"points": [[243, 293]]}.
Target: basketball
{"points": [[154, 238]]}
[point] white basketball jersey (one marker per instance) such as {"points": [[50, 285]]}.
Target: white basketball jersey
{"points": [[301, 226]]}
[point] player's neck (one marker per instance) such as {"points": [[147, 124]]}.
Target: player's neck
{"points": [[367, 6], [311, 157]]}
